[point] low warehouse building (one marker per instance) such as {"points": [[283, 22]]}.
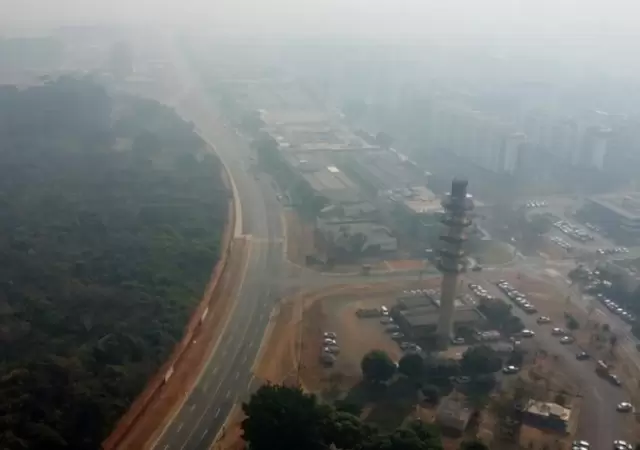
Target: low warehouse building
{"points": [[547, 416], [419, 323]]}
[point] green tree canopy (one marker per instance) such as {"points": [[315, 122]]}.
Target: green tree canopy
{"points": [[377, 367], [473, 445], [411, 365], [480, 359], [287, 419]]}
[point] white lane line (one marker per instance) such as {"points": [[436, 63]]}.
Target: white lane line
{"points": [[227, 394], [166, 447], [215, 369], [204, 434], [192, 407], [217, 413], [180, 427], [237, 375]]}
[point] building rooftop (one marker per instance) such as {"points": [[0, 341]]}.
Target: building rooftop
{"points": [[418, 199], [388, 170], [420, 317], [547, 409], [325, 178], [311, 131], [453, 412], [627, 205]]}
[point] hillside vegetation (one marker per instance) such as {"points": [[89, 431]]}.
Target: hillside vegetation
{"points": [[111, 215]]}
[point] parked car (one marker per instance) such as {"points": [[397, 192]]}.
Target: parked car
{"points": [[566, 340], [330, 335], [397, 336], [624, 407], [527, 333], [582, 356], [510, 370]]}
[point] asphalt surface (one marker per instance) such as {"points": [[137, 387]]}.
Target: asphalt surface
{"points": [[227, 376], [599, 422]]}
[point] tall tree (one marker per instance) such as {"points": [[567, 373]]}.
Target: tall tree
{"points": [[284, 418], [479, 360], [377, 367]]}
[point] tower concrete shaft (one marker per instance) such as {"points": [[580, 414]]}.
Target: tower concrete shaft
{"points": [[457, 204]]}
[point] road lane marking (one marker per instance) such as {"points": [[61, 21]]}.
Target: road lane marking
{"points": [[217, 413], [227, 394], [204, 434], [191, 408], [180, 427], [166, 447], [238, 374]]}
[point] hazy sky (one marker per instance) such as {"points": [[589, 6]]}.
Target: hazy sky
{"points": [[576, 18]]}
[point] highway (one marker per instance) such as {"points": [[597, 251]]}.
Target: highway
{"points": [[227, 376]]}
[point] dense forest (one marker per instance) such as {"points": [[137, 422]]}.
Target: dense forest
{"points": [[111, 215]]}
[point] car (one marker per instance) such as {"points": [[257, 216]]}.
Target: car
{"points": [[384, 310], [510, 370], [392, 328], [457, 341], [622, 445], [543, 319], [624, 407], [477, 268], [527, 333], [580, 444], [566, 340], [329, 341], [582, 356], [330, 335], [332, 349], [613, 378], [405, 345], [386, 320], [557, 332], [397, 336]]}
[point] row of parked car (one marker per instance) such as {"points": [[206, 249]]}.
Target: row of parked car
{"points": [[573, 231], [516, 297], [612, 251], [536, 204], [617, 309], [330, 348], [561, 243]]}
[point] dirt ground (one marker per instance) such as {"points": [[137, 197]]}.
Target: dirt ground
{"points": [[300, 238]]}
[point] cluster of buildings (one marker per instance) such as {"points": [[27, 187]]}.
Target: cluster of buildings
{"points": [[616, 214], [365, 190], [503, 144]]}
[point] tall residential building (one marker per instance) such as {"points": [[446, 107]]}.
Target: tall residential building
{"points": [[482, 139]]}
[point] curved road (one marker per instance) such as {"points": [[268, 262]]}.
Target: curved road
{"points": [[227, 375]]}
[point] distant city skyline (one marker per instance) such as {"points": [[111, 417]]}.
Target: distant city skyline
{"points": [[567, 20]]}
